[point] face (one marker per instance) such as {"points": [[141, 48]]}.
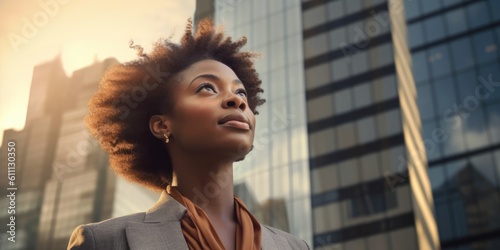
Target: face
{"points": [[211, 113]]}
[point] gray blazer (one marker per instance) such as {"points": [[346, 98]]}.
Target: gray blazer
{"points": [[158, 228]]}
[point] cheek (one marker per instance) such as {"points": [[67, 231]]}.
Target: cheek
{"points": [[195, 117]]}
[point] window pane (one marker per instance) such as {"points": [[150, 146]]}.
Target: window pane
{"points": [[317, 76], [389, 123], [467, 83], [436, 177], [450, 134], [362, 95], [348, 172], [353, 6], [487, 72], [342, 101], [381, 55], [432, 148], [385, 88], [478, 14], [420, 71], [335, 9], [346, 136], [493, 121], [412, 9], [415, 35], [366, 129], [315, 45], [485, 47], [314, 16], [434, 28], [462, 54], [494, 7], [430, 6], [445, 95], [340, 69], [425, 101], [338, 37], [320, 108], [476, 135], [322, 142], [439, 60], [456, 21], [359, 62]]}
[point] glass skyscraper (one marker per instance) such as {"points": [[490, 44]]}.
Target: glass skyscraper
{"points": [[455, 54]]}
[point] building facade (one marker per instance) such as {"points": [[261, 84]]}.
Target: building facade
{"points": [[369, 185], [455, 53]]}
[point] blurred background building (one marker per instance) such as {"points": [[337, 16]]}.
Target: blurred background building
{"points": [[380, 129]]}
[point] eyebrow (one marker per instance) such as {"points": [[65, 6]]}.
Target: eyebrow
{"points": [[213, 77]]}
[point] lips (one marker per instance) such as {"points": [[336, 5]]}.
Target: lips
{"points": [[235, 120]]}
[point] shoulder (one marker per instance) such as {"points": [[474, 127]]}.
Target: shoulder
{"points": [[107, 234], [291, 240]]}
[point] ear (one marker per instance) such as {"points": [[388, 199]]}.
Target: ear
{"points": [[159, 126]]}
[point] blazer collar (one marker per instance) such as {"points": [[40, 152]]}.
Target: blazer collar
{"points": [[161, 228]]}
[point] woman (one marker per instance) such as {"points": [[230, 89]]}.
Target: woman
{"points": [[193, 115]]}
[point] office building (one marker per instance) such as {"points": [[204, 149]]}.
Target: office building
{"points": [[455, 53]]}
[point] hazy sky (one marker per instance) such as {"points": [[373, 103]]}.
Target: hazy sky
{"points": [[36, 31]]}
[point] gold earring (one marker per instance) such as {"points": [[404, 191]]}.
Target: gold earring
{"points": [[166, 138]]}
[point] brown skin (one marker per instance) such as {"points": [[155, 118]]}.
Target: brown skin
{"points": [[200, 146]]}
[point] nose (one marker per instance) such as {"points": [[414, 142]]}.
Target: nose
{"points": [[234, 101]]}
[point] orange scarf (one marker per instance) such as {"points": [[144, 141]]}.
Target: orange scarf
{"points": [[200, 233]]}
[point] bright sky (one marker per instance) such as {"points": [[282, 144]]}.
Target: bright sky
{"points": [[32, 33]]}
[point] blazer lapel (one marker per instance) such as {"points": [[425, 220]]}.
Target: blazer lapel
{"points": [[161, 228], [271, 240]]}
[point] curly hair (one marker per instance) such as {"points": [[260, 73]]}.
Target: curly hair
{"points": [[130, 93]]}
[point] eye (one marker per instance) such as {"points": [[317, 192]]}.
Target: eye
{"points": [[241, 92], [207, 87]]}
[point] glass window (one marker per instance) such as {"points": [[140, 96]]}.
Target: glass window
{"points": [[346, 136], [476, 135], [434, 28], [342, 101], [277, 54], [420, 70], [467, 83], [293, 51], [366, 129], [430, 6], [487, 72], [317, 76], [281, 183], [338, 39], [494, 7], [415, 34], [484, 166], [356, 34], [322, 142], [260, 31], [432, 148], [389, 123], [404, 238], [485, 47], [412, 9], [445, 94], [316, 45], [436, 177], [378, 241], [425, 101], [449, 134], [370, 169], [439, 60], [478, 14], [353, 6], [340, 69], [362, 95], [324, 179], [456, 21], [450, 2], [335, 9], [461, 50], [320, 108], [348, 172], [314, 16], [444, 223], [493, 121], [381, 55], [355, 244], [359, 62], [385, 88]]}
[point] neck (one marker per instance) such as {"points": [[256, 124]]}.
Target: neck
{"points": [[207, 183]]}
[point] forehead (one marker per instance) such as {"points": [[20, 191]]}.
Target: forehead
{"points": [[208, 66]]}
